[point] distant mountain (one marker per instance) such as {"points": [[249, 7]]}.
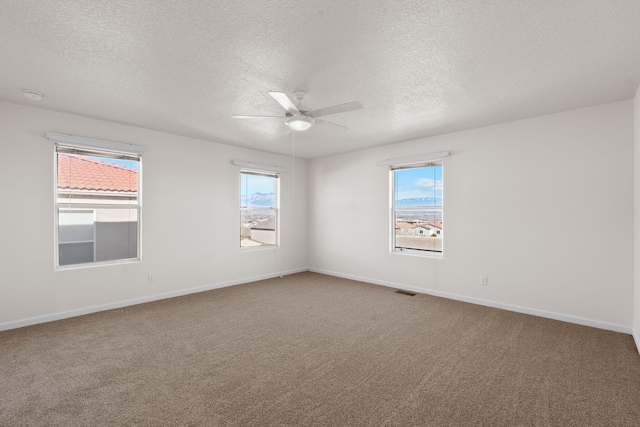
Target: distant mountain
{"points": [[259, 199], [421, 201], [269, 200]]}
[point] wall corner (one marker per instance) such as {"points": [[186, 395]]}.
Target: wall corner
{"points": [[636, 218]]}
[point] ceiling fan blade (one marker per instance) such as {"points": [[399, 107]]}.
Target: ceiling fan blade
{"points": [[331, 123], [238, 116], [286, 102], [340, 108]]}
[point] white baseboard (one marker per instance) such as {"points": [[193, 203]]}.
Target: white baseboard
{"points": [[111, 306], [516, 308], [519, 309]]}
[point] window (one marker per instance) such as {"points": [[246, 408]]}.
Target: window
{"points": [[417, 208], [97, 206], [258, 209]]}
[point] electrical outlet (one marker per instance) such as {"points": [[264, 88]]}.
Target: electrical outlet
{"points": [[483, 280], [150, 277]]}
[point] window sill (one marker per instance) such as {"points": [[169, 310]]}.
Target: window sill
{"points": [[96, 264], [420, 254], [257, 248]]}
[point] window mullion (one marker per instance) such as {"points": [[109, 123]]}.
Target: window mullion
{"points": [[63, 205]]}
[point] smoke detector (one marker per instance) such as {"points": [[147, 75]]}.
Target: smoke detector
{"points": [[32, 95]]}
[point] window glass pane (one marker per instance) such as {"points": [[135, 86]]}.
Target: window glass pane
{"points": [[418, 230], [116, 234], [420, 186], [257, 190], [75, 226], [99, 235], [95, 179], [76, 233], [75, 253], [257, 227]]}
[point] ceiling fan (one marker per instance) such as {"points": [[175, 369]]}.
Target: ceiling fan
{"points": [[299, 118]]}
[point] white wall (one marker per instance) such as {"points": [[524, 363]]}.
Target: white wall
{"points": [[190, 220], [543, 207], [505, 186], [636, 116]]}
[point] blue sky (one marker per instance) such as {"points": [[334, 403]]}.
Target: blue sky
{"points": [[128, 163], [416, 183], [251, 184]]}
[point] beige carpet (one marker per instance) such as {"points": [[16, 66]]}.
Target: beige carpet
{"points": [[313, 350]]}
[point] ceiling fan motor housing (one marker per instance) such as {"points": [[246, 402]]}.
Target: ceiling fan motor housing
{"points": [[299, 95]]}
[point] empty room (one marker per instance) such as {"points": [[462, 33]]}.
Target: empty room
{"points": [[235, 213]]}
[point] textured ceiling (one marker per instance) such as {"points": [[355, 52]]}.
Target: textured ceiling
{"points": [[419, 68]]}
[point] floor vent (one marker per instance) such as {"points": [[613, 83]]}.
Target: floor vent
{"points": [[399, 291]]}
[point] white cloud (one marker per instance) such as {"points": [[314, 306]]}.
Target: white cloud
{"points": [[418, 193], [428, 183], [424, 182]]}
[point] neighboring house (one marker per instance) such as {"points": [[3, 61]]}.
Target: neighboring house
{"points": [[422, 229], [404, 228], [95, 233], [437, 228]]}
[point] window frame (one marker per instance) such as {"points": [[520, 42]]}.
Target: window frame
{"points": [[393, 248], [70, 148], [270, 210]]}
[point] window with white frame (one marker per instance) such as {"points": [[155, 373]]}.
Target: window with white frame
{"points": [[417, 208], [258, 209], [97, 213]]}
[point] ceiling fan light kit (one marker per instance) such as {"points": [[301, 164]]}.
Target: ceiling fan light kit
{"points": [[299, 123], [299, 118]]}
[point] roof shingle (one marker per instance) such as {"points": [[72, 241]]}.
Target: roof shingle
{"points": [[83, 173]]}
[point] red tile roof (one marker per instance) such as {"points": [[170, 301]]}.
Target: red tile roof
{"points": [[83, 173]]}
